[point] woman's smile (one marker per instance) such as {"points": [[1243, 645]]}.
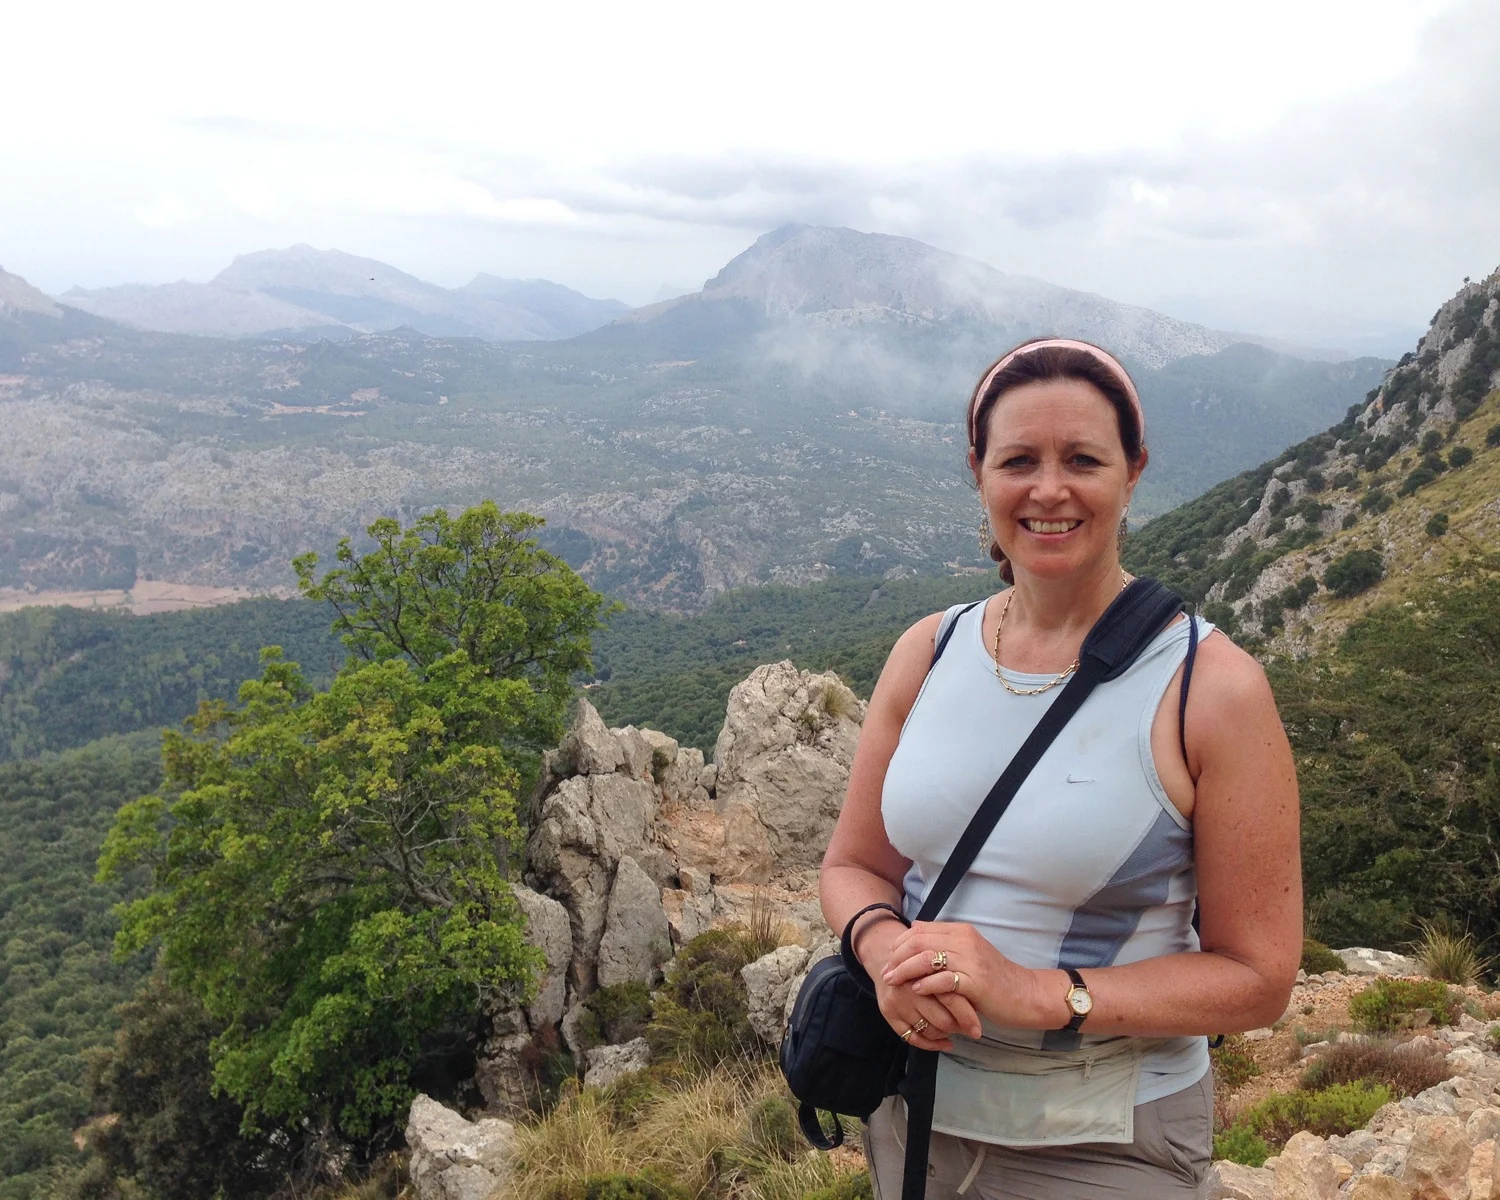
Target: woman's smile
{"points": [[1052, 528]]}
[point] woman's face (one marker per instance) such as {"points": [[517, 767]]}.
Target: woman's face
{"points": [[1055, 479]]}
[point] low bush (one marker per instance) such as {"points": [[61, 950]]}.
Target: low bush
{"points": [[1404, 1072], [618, 1187], [854, 1186], [1460, 456], [1242, 1145], [1492, 436], [1318, 958], [1437, 525], [1233, 1064], [1391, 1004], [1333, 1110], [701, 1015], [1420, 476], [616, 1014], [1352, 573]]}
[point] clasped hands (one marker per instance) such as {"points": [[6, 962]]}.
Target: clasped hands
{"points": [[938, 978]]}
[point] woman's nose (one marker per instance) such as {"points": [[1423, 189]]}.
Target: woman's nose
{"points": [[1050, 485]]}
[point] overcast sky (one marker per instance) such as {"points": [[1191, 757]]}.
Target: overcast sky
{"points": [[1320, 164]]}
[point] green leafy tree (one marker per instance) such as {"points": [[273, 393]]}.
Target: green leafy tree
{"points": [[329, 868]]}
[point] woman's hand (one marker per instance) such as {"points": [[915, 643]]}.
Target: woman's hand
{"points": [[901, 1006], [988, 983]]}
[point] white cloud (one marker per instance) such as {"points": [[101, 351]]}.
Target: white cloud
{"points": [[167, 211]]}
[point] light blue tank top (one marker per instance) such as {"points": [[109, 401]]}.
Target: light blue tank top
{"points": [[1091, 865]]}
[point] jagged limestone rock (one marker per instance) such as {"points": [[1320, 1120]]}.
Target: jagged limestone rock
{"points": [[1305, 1170], [1361, 960], [609, 1063], [784, 755], [636, 938], [1230, 1181], [549, 929], [767, 982], [589, 747], [455, 1159], [688, 914], [1437, 1163], [636, 751]]}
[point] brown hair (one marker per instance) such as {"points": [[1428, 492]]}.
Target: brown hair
{"points": [[1047, 362]]}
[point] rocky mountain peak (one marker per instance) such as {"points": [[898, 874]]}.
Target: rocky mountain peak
{"points": [[16, 295], [306, 268]]}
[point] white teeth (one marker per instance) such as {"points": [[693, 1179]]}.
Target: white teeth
{"points": [[1051, 526]]}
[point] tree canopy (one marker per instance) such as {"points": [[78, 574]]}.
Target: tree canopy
{"points": [[329, 868]]}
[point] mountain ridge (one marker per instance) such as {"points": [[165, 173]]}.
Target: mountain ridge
{"points": [[302, 290], [1410, 476], [845, 277]]}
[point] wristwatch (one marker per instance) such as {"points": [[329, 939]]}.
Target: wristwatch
{"points": [[1080, 1002]]}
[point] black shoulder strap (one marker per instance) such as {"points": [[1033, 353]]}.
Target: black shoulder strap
{"points": [[945, 633], [1187, 679], [1138, 614]]}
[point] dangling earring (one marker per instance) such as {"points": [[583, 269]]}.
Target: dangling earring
{"points": [[1123, 531], [986, 535]]}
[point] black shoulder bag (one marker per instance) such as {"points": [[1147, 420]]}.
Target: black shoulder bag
{"points": [[839, 1053]]}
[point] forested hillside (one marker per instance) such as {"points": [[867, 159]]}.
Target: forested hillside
{"points": [[70, 675], [59, 984]]}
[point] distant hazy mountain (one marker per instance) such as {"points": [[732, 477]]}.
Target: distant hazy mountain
{"points": [[17, 296], [303, 289], [839, 278]]}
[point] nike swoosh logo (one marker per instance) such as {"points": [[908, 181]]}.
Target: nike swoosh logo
{"points": [[1072, 780]]}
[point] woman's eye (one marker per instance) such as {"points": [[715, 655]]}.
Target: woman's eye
{"points": [[1018, 460], [1085, 460]]}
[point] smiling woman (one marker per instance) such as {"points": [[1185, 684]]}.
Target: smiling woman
{"points": [[1065, 985]]}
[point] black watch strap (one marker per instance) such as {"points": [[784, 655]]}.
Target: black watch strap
{"points": [[1076, 1021]]}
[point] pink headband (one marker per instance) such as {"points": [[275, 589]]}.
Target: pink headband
{"points": [[1058, 344]]}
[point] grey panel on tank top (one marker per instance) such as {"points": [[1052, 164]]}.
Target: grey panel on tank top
{"points": [[1104, 922]]}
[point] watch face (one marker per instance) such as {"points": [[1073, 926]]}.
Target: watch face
{"points": [[1080, 1002]]}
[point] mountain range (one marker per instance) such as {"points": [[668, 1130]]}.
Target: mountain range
{"points": [[797, 417], [305, 291]]}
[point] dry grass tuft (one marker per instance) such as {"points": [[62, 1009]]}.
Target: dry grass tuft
{"points": [[1449, 956], [708, 1134]]}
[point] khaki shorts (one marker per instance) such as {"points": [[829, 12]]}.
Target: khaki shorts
{"points": [[1169, 1158]]}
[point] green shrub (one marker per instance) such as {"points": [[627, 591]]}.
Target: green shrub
{"points": [[1351, 519], [1334, 1110], [1431, 440], [853, 1186], [1352, 573], [701, 1014], [773, 1130], [1492, 436], [1420, 476], [1405, 1072], [1241, 1145], [1375, 500], [619, 1187], [1460, 456], [1391, 1004], [616, 1014], [1318, 958], [1437, 525], [1233, 1064], [1345, 480]]}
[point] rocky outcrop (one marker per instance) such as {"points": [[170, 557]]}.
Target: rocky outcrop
{"points": [[455, 1159], [768, 980], [548, 929], [1361, 960], [636, 939], [783, 760], [1440, 1144], [609, 1063]]}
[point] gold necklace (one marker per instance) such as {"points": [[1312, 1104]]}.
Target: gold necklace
{"points": [[1050, 684]]}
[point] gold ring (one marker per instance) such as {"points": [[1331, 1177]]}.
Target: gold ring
{"points": [[956, 978], [906, 1037], [940, 960], [920, 1025]]}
